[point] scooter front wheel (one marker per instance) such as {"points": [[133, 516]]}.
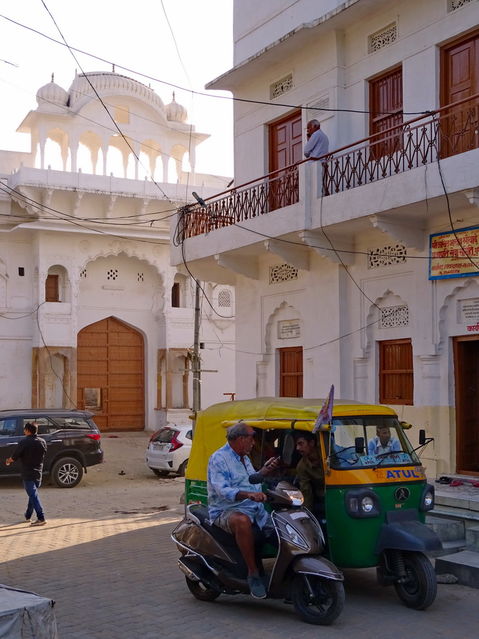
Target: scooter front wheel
{"points": [[418, 589], [202, 592], [317, 600]]}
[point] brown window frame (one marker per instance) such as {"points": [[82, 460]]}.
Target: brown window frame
{"points": [[399, 372], [394, 141]]}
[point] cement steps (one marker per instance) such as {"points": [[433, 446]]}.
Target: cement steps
{"points": [[455, 519]]}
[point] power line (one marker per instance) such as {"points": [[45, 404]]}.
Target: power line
{"points": [[202, 93]]}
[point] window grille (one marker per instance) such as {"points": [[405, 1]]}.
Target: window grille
{"points": [[224, 299], [452, 5], [387, 256], [382, 38], [112, 274], [282, 273], [281, 86], [393, 316]]}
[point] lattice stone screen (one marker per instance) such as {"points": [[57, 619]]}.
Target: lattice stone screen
{"points": [[382, 38], [282, 273], [387, 255], [393, 316]]}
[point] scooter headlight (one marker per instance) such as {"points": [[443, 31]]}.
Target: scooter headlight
{"points": [[296, 497]]}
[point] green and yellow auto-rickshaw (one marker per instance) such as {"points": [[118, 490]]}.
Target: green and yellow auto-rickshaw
{"points": [[375, 503]]}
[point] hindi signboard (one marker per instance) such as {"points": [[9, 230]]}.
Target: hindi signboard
{"points": [[454, 254]]}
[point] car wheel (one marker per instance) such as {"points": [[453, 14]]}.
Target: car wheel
{"points": [[182, 468], [67, 472], [159, 473]]}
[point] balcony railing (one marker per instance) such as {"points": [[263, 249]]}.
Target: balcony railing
{"points": [[448, 131]]}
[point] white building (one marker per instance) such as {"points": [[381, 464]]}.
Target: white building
{"points": [[331, 260], [92, 314]]}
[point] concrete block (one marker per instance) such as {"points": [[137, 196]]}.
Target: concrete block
{"points": [[465, 565], [472, 538], [446, 529]]}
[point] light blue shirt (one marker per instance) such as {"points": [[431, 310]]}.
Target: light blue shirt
{"points": [[317, 145], [227, 476], [375, 448]]}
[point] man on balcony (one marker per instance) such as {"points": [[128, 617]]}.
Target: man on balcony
{"points": [[316, 147]]}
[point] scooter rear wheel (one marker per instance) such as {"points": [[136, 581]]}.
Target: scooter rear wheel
{"points": [[202, 592], [317, 600]]}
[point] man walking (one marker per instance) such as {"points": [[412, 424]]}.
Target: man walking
{"points": [[31, 453]]}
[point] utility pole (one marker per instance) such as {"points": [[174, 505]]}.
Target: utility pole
{"points": [[195, 362]]}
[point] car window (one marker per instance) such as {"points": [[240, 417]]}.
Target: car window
{"points": [[72, 422], [45, 425], [8, 427], [165, 435], [189, 434]]}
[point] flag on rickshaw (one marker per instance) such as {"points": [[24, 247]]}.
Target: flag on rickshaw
{"points": [[325, 415]]}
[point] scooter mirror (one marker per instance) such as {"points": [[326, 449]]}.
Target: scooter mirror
{"points": [[359, 445], [422, 437]]}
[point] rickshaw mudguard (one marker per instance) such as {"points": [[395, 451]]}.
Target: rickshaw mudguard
{"points": [[407, 535], [317, 566]]}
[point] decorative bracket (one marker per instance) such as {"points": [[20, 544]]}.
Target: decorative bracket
{"points": [[241, 265], [332, 247], [296, 256], [405, 232]]}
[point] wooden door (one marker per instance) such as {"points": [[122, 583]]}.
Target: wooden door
{"points": [[386, 111], [459, 80], [291, 371], [110, 356], [466, 373], [396, 372], [285, 148]]}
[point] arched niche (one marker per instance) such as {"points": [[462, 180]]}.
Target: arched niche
{"points": [[57, 284]]}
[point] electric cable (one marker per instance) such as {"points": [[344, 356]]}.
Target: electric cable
{"points": [[202, 93]]}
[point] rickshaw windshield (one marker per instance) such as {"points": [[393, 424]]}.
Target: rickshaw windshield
{"points": [[385, 443]]}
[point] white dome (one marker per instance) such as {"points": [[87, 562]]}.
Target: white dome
{"points": [[176, 112], [51, 96]]}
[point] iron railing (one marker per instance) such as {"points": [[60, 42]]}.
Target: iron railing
{"points": [[428, 138]]}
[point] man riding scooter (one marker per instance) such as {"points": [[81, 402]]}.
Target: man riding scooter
{"points": [[235, 504]]}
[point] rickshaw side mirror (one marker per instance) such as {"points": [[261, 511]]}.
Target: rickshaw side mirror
{"points": [[359, 445], [422, 437]]}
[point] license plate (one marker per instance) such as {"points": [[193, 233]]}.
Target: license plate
{"points": [[158, 446]]}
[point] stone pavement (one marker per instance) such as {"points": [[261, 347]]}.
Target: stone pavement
{"points": [[109, 564]]}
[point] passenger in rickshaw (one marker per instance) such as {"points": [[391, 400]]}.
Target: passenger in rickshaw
{"points": [[310, 473], [383, 443]]}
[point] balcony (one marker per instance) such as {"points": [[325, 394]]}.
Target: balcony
{"points": [[298, 201], [448, 131]]}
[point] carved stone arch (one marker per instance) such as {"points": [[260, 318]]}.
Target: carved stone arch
{"points": [[373, 317], [129, 251], [264, 364], [461, 287]]}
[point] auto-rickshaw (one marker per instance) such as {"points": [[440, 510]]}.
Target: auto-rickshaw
{"points": [[375, 504]]}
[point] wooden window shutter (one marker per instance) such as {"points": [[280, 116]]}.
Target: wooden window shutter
{"points": [[396, 378], [52, 293]]}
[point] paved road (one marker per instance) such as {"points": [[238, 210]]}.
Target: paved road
{"points": [[111, 568]]}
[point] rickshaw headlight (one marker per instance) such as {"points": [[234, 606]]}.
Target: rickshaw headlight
{"points": [[367, 504], [362, 502], [427, 500]]}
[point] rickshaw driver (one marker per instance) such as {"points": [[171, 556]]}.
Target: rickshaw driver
{"points": [[234, 504], [383, 442], [310, 473]]}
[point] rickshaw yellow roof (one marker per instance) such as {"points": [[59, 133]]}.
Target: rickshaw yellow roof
{"points": [[209, 431]]}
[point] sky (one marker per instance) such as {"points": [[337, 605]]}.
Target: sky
{"points": [[135, 35]]}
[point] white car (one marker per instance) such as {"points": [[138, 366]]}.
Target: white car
{"points": [[169, 449]]}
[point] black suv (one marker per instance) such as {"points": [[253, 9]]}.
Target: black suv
{"points": [[72, 437]]}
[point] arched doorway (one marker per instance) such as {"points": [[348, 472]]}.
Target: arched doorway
{"points": [[111, 378]]}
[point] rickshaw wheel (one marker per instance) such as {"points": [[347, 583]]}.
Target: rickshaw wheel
{"points": [[319, 604], [420, 588], [202, 592]]}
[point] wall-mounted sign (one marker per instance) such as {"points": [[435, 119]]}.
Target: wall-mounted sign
{"points": [[287, 329], [454, 254], [468, 311]]}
